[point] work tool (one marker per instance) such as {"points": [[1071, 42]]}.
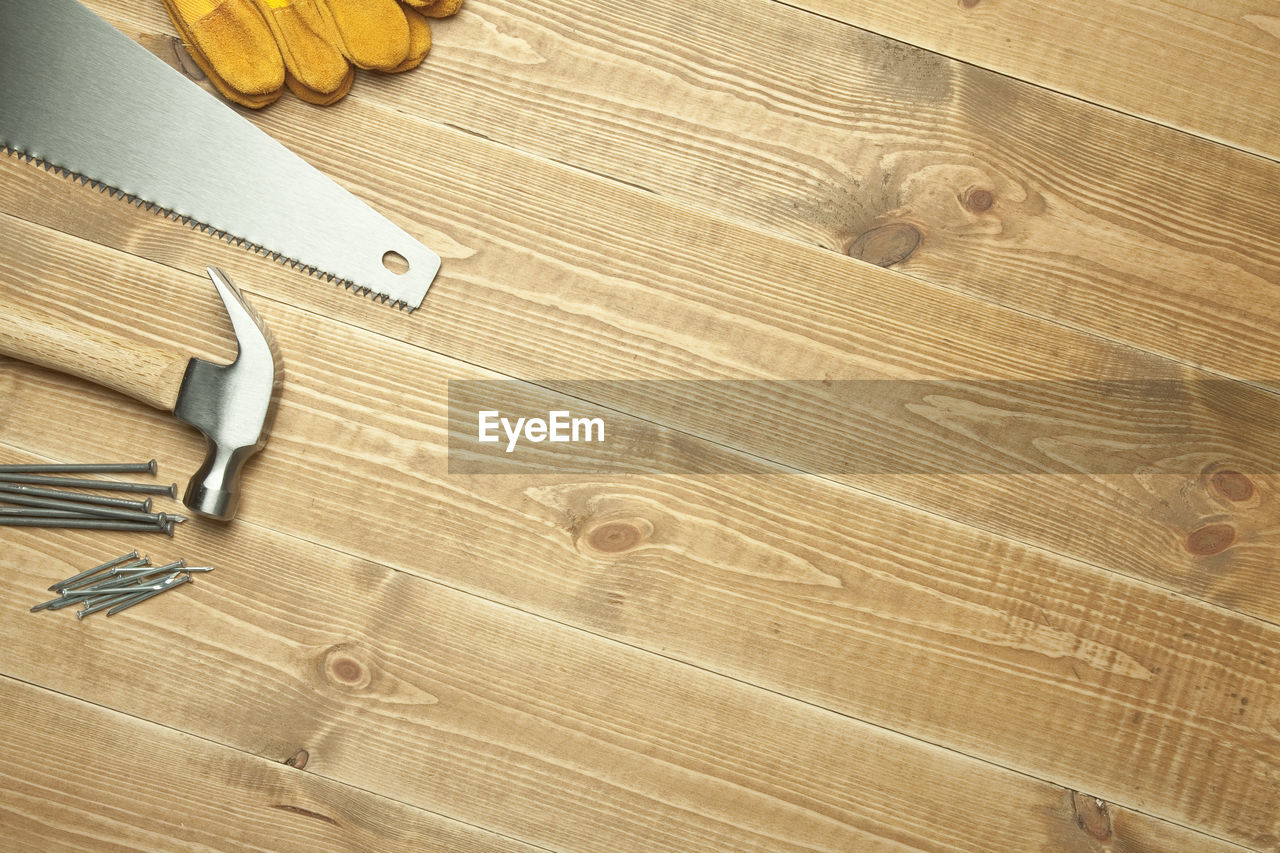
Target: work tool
{"points": [[80, 96], [231, 404]]}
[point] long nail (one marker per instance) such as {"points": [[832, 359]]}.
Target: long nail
{"points": [[34, 512], [103, 468], [74, 497], [84, 509], [170, 490], [85, 524], [109, 564]]}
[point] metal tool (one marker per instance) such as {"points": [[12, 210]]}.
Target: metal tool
{"points": [[79, 95], [231, 404]]}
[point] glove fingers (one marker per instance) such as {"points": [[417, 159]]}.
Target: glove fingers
{"points": [[372, 34], [419, 40], [311, 61], [436, 8], [232, 45], [314, 96]]}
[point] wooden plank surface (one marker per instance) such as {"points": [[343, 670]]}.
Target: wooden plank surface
{"points": [[78, 776], [857, 144], [815, 661], [1141, 674], [623, 280], [407, 689], [1207, 66]]}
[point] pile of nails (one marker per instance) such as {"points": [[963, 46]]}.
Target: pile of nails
{"points": [[118, 584], [35, 496]]}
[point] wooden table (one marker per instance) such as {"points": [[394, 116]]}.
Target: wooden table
{"points": [[390, 656]]}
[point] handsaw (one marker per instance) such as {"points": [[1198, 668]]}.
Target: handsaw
{"points": [[78, 95]]}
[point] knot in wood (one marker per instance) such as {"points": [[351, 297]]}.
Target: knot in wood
{"points": [[1211, 539], [979, 200], [1092, 815], [345, 666], [617, 536], [1232, 485], [887, 245]]}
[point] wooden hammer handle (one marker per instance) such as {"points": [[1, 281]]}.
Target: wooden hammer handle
{"points": [[150, 375]]}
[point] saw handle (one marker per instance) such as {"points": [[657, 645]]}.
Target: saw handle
{"points": [[149, 375]]}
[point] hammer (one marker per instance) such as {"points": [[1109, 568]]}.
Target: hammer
{"points": [[232, 404]]}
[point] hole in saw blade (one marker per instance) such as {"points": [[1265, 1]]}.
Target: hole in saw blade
{"points": [[395, 262]]}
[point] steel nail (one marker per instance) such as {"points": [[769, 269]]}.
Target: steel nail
{"points": [[170, 490], [94, 607], [85, 524], [109, 564], [92, 592], [137, 599], [157, 570], [83, 509], [74, 497], [73, 468], [34, 512], [137, 575], [56, 603], [113, 576], [46, 605]]}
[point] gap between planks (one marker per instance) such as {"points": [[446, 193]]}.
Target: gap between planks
{"points": [[1000, 783], [146, 235], [389, 342], [215, 343]]}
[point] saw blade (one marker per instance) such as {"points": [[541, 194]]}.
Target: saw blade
{"points": [[80, 96]]}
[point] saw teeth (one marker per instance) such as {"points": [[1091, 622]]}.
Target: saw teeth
{"points": [[195, 224]]}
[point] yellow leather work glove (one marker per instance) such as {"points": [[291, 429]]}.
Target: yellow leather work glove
{"points": [[252, 49]]}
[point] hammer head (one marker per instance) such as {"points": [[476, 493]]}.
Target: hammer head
{"points": [[232, 404]]}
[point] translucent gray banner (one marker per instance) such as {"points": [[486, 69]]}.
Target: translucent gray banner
{"points": [[862, 427]]}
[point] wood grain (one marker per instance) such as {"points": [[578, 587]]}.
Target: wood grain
{"points": [[646, 289], [1072, 663], [405, 689], [850, 602], [77, 776], [1216, 61], [805, 127], [150, 376]]}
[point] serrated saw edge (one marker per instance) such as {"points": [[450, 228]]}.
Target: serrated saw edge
{"points": [[196, 225]]}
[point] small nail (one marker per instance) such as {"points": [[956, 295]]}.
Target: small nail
{"points": [[94, 607], [109, 564], [94, 591], [137, 599], [159, 570], [111, 577]]}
